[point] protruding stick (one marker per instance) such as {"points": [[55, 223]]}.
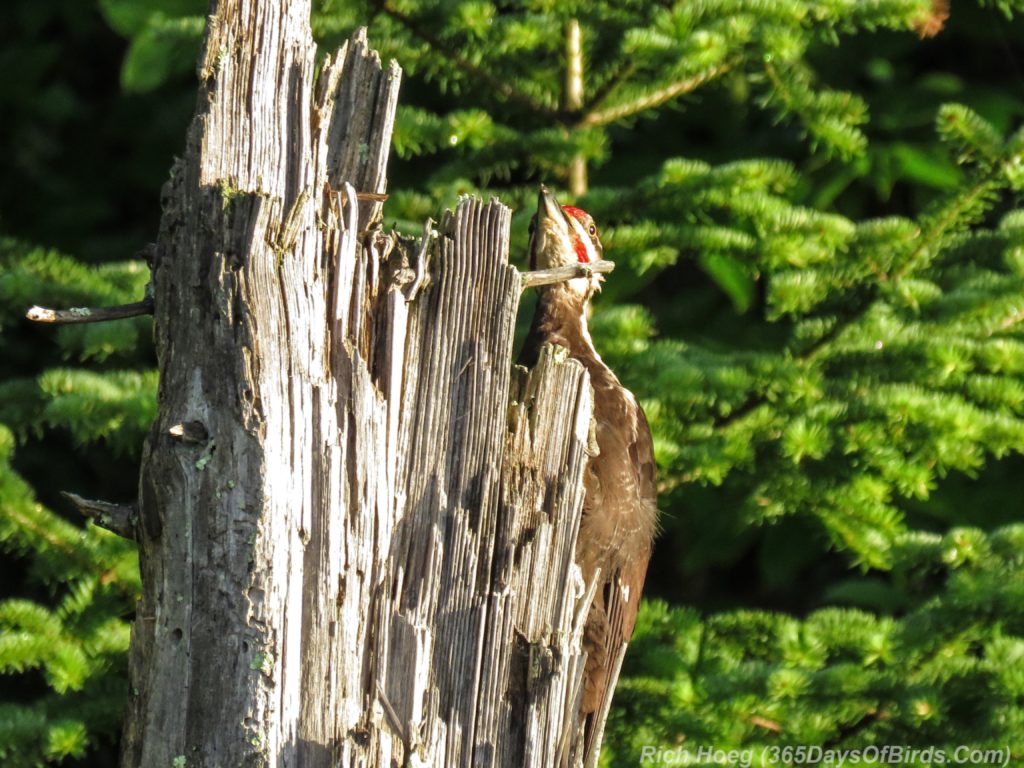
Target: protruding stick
{"points": [[395, 720], [116, 518], [429, 235], [561, 274], [190, 432], [90, 314]]}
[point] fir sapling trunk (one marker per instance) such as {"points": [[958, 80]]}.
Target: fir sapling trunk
{"points": [[355, 547]]}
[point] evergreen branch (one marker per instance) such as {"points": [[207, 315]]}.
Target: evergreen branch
{"points": [[44, 534], [941, 225], [561, 274], [503, 87], [89, 314], [960, 206], [121, 519], [748, 406], [869, 718], [655, 98], [817, 111], [812, 351], [953, 213], [619, 76]]}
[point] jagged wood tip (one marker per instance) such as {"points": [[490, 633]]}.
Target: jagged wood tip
{"points": [[561, 274], [422, 278], [116, 518], [90, 314]]}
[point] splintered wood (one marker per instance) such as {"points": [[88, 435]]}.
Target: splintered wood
{"points": [[477, 658], [365, 556]]}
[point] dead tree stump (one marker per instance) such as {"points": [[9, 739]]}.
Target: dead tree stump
{"points": [[356, 523]]}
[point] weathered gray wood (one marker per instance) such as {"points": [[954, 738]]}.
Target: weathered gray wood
{"points": [[480, 658], [356, 526]]}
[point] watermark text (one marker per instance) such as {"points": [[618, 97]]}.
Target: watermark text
{"points": [[889, 754]]}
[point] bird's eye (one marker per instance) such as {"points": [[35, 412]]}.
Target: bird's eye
{"points": [[592, 230]]}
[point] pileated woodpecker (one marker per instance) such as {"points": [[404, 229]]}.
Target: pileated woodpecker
{"points": [[620, 503]]}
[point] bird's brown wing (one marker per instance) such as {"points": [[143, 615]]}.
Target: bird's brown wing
{"points": [[613, 614], [642, 454]]}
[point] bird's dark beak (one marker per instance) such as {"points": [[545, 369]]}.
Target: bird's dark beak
{"points": [[547, 206], [550, 240]]}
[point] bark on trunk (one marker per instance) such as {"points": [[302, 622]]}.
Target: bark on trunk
{"points": [[356, 525]]}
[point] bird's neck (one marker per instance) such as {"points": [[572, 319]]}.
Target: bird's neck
{"points": [[561, 318]]}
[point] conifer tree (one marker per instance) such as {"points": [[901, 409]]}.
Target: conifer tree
{"points": [[63, 634], [834, 375]]}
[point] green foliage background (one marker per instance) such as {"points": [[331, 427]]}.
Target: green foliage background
{"points": [[818, 300]]}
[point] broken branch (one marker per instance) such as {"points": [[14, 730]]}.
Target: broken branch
{"points": [[561, 274], [116, 518], [90, 314]]}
